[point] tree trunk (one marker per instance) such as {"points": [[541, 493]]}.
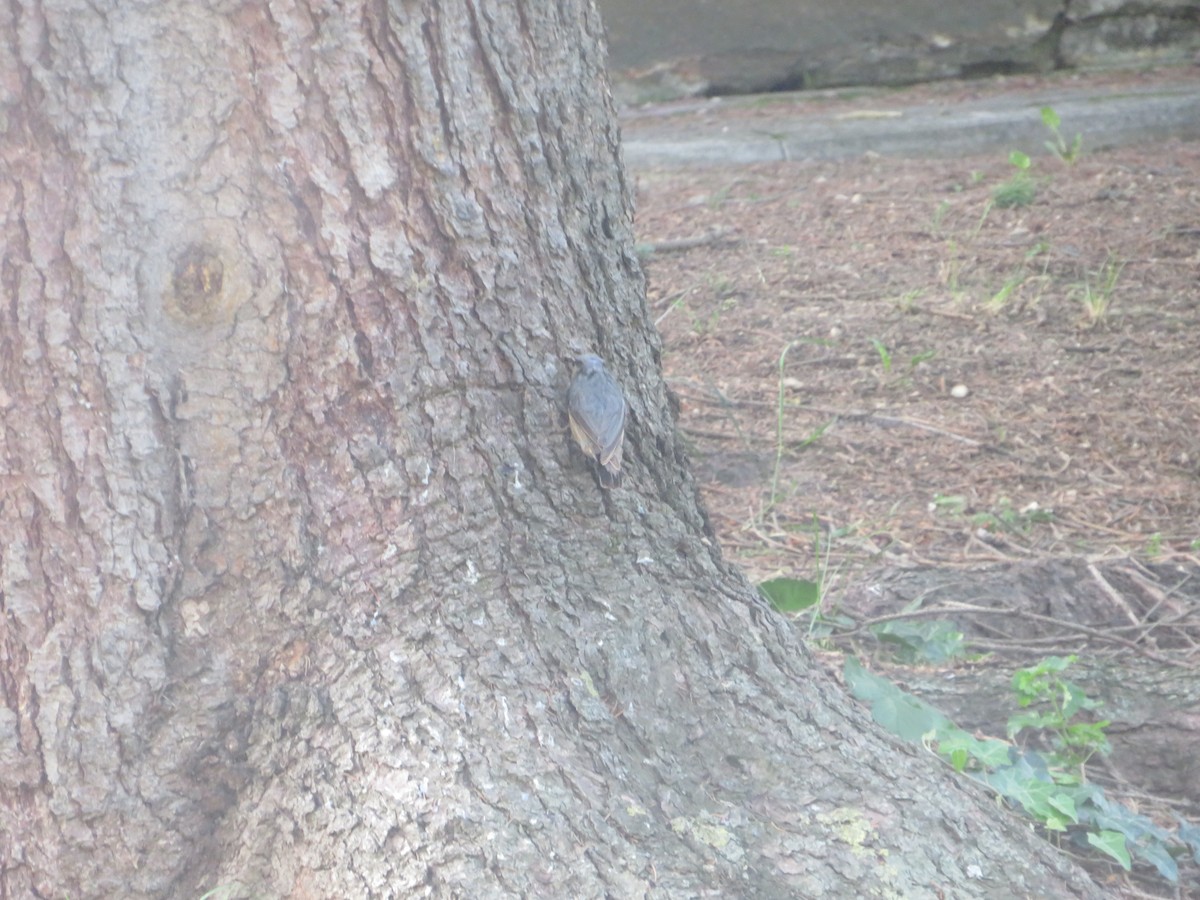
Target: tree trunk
{"points": [[305, 593]]}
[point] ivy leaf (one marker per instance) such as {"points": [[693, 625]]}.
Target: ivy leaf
{"points": [[1031, 794], [1158, 856], [1112, 843], [1065, 806], [1190, 835], [960, 747], [931, 640], [900, 713], [958, 759], [789, 595]]}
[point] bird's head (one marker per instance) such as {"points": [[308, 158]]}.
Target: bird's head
{"points": [[589, 364]]}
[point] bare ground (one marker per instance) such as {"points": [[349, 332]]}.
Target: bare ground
{"points": [[877, 359], [896, 386]]}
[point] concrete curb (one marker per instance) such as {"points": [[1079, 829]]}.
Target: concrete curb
{"points": [[1105, 117]]}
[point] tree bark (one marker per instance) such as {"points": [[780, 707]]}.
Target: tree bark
{"points": [[304, 592]]}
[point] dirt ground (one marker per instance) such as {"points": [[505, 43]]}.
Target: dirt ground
{"points": [[879, 362], [897, 386]]}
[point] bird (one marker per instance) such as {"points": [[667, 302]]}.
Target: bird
{"points": [[596, 413]]}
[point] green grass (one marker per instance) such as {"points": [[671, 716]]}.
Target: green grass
{"points": [[1096, 293], [1068, 153]]}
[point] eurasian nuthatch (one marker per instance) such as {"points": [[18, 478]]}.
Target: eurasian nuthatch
{"points": [[596, 414]]}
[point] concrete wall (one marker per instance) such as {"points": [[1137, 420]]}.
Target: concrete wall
{"points": [[670, 48]]}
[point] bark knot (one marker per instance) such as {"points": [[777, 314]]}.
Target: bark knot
{"points": [[197, 286]]}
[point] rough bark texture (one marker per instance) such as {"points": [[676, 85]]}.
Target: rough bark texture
{"points": [[304, 593]]}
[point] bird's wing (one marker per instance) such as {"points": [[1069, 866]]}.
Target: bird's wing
{"points": [[587, 441], [611, 432]]}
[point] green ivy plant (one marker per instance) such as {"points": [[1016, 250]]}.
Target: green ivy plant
{"points": [[1053, 705], [1049, 786], [1068, 153]]}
